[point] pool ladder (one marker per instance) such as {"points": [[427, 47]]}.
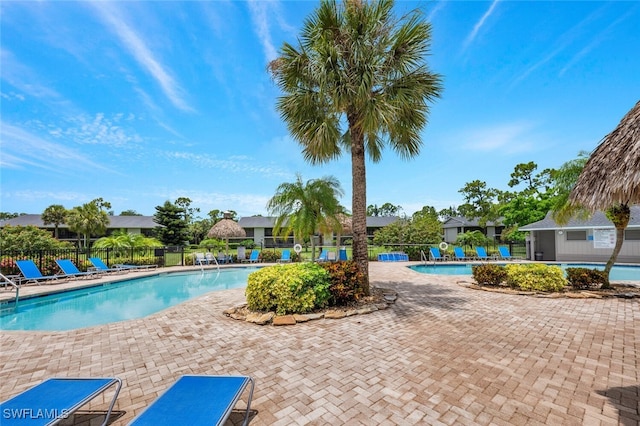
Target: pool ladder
{"points": [[425, 258], [9, 281]]}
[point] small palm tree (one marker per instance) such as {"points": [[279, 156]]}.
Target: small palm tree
{"points": [[55, 214], [305, 208], [359, 67], [88, 219]]}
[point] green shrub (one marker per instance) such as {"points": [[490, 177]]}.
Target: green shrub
{"points": [[489, 274], [288, 288], [268, 256], [535, 277], [583, 278], [347, 282]]}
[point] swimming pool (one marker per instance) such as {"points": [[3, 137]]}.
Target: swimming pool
{"points": [[618, 272], [111, 302]]}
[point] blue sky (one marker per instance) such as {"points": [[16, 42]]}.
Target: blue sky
{"points": [[146, 101]]}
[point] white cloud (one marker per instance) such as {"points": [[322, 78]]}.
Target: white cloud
{"points": [[476, 28], [508, 138], [24, 78], [137, 47], [22, 149], [261, 18], [233, 164], [243, 204]]}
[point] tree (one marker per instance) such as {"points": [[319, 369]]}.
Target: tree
{"points": [[130, 213], [173, 231], [122, 240], [55, 214], [7, 215], [25, 238], [450, 211], [357, 64], [189, 212], [305, 208], [564, 179], [89, 219], [479, 202], [387, 209]]}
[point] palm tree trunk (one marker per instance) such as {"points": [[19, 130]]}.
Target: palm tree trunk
{"points": [[359, 204], [614, 255], [620, 216]]}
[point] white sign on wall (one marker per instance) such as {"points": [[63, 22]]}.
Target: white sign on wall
{"points": [[604, 238]]}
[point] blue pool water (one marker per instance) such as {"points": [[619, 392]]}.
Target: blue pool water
{"points": [[618, 272], [106, 303]]}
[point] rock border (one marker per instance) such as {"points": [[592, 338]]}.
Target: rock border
{"points": [[568, 294], [242, 312]]}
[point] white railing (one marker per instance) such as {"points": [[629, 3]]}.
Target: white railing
{"points": [[6, 280]]}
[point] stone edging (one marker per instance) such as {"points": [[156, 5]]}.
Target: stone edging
{"points": [[576, 294], [242, 313]]}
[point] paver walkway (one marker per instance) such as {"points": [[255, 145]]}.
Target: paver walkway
{"points": [[443, 354]]}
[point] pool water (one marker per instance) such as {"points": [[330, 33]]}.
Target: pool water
{"points": [[618, 272], [124, 300]]}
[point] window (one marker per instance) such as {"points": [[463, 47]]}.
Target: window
{"points": [[632, 235], [576, 235]]}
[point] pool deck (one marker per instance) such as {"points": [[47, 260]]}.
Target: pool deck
{"points": [[444, 354]]}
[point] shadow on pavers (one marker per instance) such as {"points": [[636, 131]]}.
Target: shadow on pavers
{"points": [[91, 418], [414, 298], [627, 401]]}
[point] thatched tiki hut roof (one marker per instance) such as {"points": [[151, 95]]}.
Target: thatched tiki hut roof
{"points": [[225, 229], [612, 173]]}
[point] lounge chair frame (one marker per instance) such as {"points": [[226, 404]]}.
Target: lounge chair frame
{"points": [[69, 269], [195, 400], [54, 399], [32, 274]]}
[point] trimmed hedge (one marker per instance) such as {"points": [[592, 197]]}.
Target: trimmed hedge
{"points": [[489, 274], [585, 278], [535, 277], [288, 288], [347, 282]]}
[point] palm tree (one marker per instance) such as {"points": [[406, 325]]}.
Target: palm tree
{"points": [[55, 214], [88, 219], [305, 208], [357, 65], [564, 180]]}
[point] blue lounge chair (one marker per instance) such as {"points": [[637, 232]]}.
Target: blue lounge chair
{"points": [[482, 254], [55, 399], [285, 257], [435, 255], [253, 258], [70, 270], [324, 255], [197, 400], [505, 254], [102, 267], [32, 274], [459, 254]]}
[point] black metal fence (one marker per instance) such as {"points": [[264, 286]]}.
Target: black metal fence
{"points": [[46, 259]]}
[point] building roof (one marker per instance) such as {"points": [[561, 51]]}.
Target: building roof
{"points": [[269, 221], [127, 222], [456, 221], [597, 220]]}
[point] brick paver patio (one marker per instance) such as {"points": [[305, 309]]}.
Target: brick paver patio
{"points": [[443, 354]]}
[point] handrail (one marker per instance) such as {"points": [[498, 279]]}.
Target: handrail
{"points": [[10, 281], [423, 257]]}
